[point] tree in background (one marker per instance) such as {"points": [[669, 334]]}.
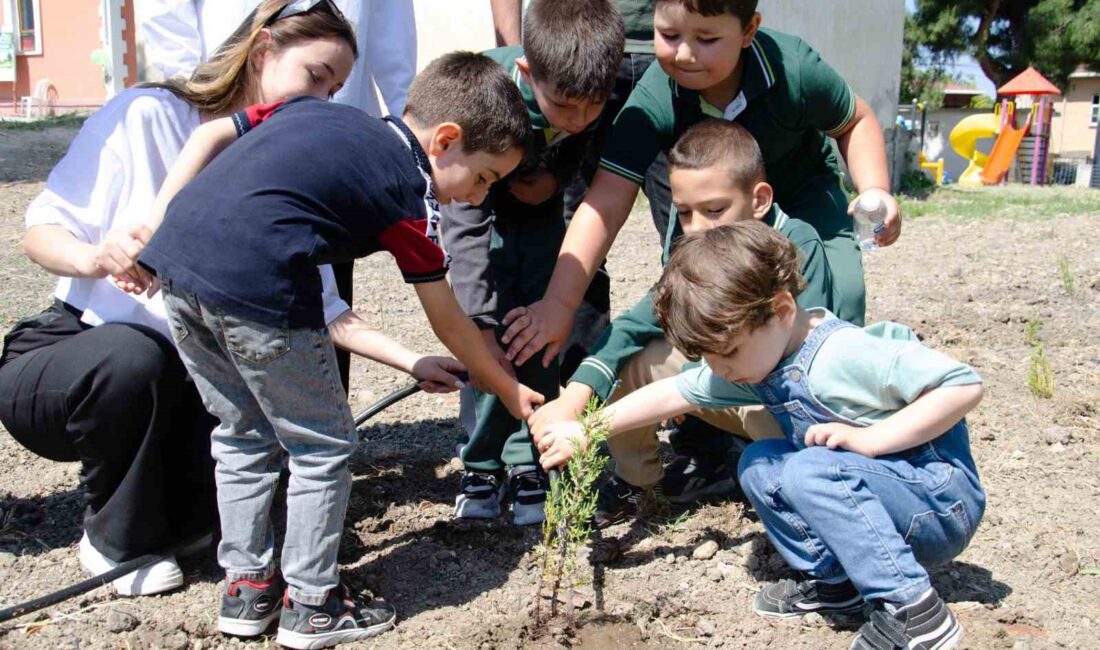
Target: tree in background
{"points": [[1003, 36]]}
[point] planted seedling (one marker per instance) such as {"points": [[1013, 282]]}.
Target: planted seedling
{"points": [[570, 506]]}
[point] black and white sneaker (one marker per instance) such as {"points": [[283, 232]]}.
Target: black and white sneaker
{"points": [[790, 598], [689, 479], [480, 496], [341, 619], [926, 624], [618, 501], [527, 486], [249, 607]]}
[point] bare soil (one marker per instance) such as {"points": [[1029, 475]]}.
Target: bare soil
{"points": [[969, 286]]}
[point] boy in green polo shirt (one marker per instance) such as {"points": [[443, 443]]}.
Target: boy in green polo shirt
{"points": [[717, 175], [504, 249], [715, 61]]}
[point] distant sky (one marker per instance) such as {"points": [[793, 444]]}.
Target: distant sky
{"points": [[965, 67]]}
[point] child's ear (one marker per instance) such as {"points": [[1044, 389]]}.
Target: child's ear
{"points": [[762, 197], [785, 307], [446, 136], [750, 30], [524, 69]]}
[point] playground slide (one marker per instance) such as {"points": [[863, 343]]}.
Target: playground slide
{"points": [[1004, 150], [964, 140]]}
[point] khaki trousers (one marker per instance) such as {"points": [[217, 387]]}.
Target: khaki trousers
{"points": [[637, 452]]}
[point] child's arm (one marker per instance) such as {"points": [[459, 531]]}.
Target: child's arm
{"points": [[923, 420], [353, 334], [651, 404], [864, 151], [204, 145], [463, 339], [593, 229]]}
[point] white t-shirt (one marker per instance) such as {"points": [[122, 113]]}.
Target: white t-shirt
{"points": [[108, 181], [179, 34]]}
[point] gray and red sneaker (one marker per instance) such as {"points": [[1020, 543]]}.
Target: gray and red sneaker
{"points": [[341, 619], [249, 607]]}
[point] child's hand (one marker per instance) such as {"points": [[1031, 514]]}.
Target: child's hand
{"points": [[567, 408], [436, 374], [542, 324], [559, 444], [836, 435], [891, 227], [522, 403], [534, 190]]}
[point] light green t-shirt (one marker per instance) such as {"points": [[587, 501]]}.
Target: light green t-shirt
{"points": [[864, 374]]}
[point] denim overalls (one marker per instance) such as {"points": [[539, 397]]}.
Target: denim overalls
{"points": [[834, 513]]}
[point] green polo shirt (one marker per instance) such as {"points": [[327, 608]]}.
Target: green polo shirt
{"points": [[638, 24], [629, 333], [790, 101]]}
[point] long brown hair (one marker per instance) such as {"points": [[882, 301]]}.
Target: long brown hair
{"points": [[228, 79]]}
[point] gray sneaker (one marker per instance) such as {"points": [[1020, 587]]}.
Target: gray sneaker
{"points": [[341, 619], [480, 496], [249, 607], [793, 598], [527, 485]]}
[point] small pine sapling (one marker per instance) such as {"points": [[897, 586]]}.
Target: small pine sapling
{"points": [[570, 507]]}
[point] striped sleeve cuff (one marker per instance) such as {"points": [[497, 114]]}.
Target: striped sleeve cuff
{"points": [[597, 375], [846, 122], [619, 170]]}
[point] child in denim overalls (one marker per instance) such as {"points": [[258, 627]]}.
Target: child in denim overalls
{"points": [[873, 478]]}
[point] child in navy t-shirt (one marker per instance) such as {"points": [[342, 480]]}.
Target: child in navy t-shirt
{"points": [[310, 183]]}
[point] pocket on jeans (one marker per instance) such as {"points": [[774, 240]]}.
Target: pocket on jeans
{"points": [[938, 537], [254, 342]]}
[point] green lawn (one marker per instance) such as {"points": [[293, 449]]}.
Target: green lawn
{"points": [[1015, 202]]}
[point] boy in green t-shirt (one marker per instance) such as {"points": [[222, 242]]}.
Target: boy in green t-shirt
{"points": [[715, 61], [504, 249], [717, 177]]}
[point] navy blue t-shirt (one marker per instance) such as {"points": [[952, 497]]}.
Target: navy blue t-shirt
{"points": [[307, 183]]}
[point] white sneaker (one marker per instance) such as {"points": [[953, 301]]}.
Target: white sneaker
{"points": [[159, 576]]}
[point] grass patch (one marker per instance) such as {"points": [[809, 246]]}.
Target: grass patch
{"points": [[1066, 273], [1040, 376], [75, 120], [1012, 202], [1031, 335]]}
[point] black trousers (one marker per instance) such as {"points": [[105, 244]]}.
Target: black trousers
{"points": [[116, 398]]}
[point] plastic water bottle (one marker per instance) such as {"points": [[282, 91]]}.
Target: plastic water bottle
{"points": [[870, 218]]}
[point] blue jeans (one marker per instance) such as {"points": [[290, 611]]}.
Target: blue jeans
{"points": [[836, 513], [273, 389]]}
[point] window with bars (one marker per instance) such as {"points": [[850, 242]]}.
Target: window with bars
{"points": [[1094, 116]]}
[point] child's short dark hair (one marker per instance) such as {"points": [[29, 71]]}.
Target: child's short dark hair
{"points": [[474, 92], [743, 9], [576, 46], [720, 283], [712, 143]]}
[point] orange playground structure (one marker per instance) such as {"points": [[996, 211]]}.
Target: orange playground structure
{"points": [[1028, 145]]}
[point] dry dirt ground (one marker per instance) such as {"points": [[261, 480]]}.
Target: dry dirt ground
{"points": [[972, 270]]}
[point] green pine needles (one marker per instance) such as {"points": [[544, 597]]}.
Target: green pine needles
{"points": [[570, 506]]}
